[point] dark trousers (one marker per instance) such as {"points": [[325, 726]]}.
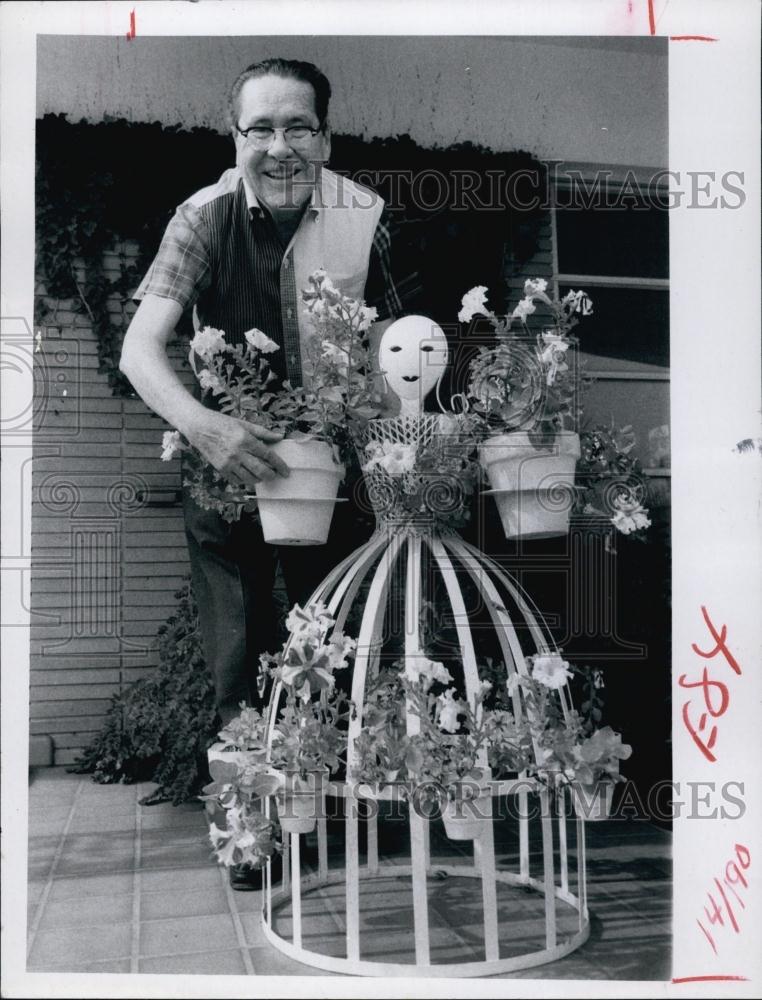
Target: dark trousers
{"points": [[233, 572]]}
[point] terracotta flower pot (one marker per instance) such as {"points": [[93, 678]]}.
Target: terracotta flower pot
{"points": [[533, 487], [297, 509], [593, 802]]}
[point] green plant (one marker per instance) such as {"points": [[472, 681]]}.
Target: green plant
{"points": [[524, 381], [339, 393], [432, 480], [568, 748], [159, 728], [610, 480]]}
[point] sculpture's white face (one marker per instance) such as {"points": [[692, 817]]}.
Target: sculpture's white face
{"points": [[412, 355]]}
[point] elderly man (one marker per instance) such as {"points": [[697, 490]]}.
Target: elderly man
{"points": [[240, 252]]}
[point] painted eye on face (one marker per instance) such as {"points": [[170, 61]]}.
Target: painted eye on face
{"points": [[427, 347], [395, 348]]}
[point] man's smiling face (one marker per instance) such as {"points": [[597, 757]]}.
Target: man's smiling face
{"points": [[282, 177]]}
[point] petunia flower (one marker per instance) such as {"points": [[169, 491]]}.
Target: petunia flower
{"points": [[631, 519], [448, 711], [535, 286], [553, 354], [260, 341], [550, 670], [208, 342], [393, 457], [368, 315], [525, 308], [170, 444], [312, 621], [474, 303], [208, 380], [419, 668]]}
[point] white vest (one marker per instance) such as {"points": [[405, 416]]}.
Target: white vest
{"points": [[335, 233]]}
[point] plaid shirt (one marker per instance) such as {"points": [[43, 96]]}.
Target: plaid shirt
{"points": [[190, 266]]}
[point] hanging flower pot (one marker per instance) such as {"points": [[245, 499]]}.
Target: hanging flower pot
{"points": [[593, 802], [300, 802], [466, 813], [297, 509], [533, 487]]}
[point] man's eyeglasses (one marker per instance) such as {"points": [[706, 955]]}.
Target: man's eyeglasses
{"points": [[261, 136]]}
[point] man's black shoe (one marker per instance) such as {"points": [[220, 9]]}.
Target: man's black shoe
{"points": [[244, 878]]}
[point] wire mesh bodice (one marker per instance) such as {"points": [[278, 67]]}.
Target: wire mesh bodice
{"points": [[413, 483]]}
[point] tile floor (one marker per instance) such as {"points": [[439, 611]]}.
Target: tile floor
{"points": [[119, 887]]}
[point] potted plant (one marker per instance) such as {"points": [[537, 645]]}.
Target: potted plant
{"points": [[307, 734], [287, 754], [380, 751], [525, 391], [447, 763], [314, 418], [430, 480], [239, 829], [568, 750], [610, 481]]}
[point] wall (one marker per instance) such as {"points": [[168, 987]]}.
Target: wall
{"points": [[598, 100], [105, 566]]}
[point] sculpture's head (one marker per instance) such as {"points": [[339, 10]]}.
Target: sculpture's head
{"points": [[413, 356]]}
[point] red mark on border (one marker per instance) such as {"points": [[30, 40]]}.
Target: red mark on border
{"points": [[715, 694], [651, 18], [131, 32], [675, 38], [710, 979], [714, 913]]}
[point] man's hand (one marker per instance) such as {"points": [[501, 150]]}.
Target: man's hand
{"points": [[237, 449]]}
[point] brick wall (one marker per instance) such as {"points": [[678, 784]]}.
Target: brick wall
{"points": [[105, 561]]}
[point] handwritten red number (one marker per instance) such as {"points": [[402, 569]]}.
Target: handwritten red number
{"points": [[708, 936], [719, 638], [743, 852], [715, 916], [716, 694]]}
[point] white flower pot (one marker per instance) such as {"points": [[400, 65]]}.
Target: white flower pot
{"points": [[465, 817], [533, 487], [297, 509], [300, 803], [593, 802]]}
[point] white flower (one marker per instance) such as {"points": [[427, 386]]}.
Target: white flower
{"points": [[420, 668], [223, 843], [513, 684], [535, 286], [448, 711], [208, 342], [336, 356], [553, 354], [170, 443], [525, 308], [368, 315], [311, 622], [550, 670], [398, 459], [631, 519], [474, 302], [260, 341], [391, 456], [208, 380], [578, 302], [484, 689], [339, 649]]}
